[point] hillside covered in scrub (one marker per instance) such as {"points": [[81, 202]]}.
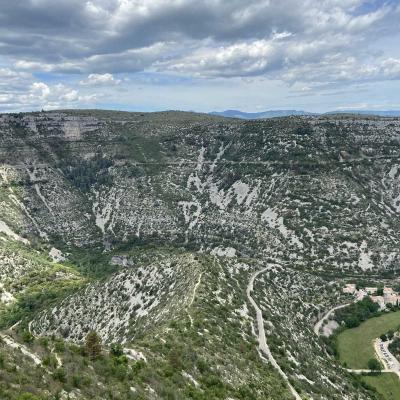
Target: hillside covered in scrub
{"points": [[180, 237]]}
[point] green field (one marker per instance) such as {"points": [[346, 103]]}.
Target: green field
{"points": [[355, 348], [387, 385], [355, 345]]}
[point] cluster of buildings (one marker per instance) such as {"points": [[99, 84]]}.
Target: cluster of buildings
{"points": [[386, 296]]}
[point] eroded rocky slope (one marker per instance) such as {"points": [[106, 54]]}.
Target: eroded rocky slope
{"points": [[310, 190], [124, 222]]}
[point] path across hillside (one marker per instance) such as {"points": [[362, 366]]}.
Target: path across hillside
{"points": [[318, 325], [261, 334]]}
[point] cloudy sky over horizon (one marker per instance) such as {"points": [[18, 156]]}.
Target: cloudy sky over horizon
{"points": [[200, 55]]}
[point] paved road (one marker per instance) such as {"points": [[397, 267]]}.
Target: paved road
{"points": [[366, 371], [261, 334], [389, 361], [318, 325]]}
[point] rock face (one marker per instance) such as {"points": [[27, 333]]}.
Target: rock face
{"points": [[320, 191], [170, 205]]}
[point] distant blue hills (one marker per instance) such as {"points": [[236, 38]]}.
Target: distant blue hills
{"points": [[286, 113]]}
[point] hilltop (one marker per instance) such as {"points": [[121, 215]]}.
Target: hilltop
{"points": [[286, 113]]}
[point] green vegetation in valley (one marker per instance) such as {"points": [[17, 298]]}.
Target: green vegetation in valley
{"points": [[355, 349], [84, 173], [357, 312], [355, 345], [387, 385], [394, 347], [34, 281]]}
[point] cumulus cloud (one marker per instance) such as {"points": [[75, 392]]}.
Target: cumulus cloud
{"points": [[303, 43], [100, 80], [27, 94]]}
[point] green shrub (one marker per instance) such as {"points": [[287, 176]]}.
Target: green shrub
{"points": [[60, 375], [116, 350], [50, 361], [59, 346], [27, 337], [28, 396], [44, 341], [93, 345], [374, 365], [76, 381]]}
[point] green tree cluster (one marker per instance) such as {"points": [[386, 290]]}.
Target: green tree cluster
{"points": [[356, 313], [93, 345]]}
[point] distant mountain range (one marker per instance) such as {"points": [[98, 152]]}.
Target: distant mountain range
{"points": [[286, 113]]}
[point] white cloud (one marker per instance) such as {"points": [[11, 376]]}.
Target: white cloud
{"points": [[390, 68], [27, 94], [5, 98], [39, 90], [100, 80], [306, 45]]}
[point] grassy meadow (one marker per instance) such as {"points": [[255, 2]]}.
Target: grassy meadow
{"points": [[355, 345]]}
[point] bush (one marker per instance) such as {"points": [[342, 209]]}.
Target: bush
{"points": [[59, 347], [116, 350], [50, 361], [76, 381], [60, 375], [27, 337], [28, 396], [374, 364], [44, 341]]}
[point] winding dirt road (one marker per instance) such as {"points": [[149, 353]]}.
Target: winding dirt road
{"points": [[261, 334], [318, 325], [193, 297], [9, 341]]}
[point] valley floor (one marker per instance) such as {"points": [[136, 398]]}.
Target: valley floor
{"points": [[356, 346]]}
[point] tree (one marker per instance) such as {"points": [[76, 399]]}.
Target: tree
{"points": [[93, 345], [116, 350], [27, 337], [60, 375], [374, 365]]}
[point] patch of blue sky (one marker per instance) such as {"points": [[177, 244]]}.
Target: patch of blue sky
{"points": [[51, 77], [159, 78], [370, 6]]}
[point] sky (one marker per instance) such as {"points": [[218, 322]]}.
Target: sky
{"points": [[201, 55]]}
